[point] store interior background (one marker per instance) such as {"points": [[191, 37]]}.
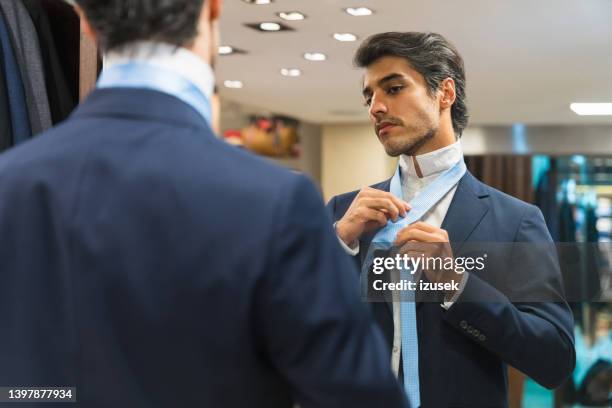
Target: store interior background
{"points": [[526, 62]]}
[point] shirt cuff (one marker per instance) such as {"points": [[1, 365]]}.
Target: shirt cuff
{"points": [[447, 305], [353, 249]]}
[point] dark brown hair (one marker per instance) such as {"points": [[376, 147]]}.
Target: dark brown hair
{"points": [[120, 22]]}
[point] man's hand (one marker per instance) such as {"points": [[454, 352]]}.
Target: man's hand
{"points": [[421, 238], [369, 210]]}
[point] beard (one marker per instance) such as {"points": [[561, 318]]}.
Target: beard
{"points": [[409, 145]]}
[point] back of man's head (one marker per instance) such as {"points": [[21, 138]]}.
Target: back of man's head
{"points": [[120, 22]]}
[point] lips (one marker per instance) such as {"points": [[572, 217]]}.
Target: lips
{"points": [[383, 127]]}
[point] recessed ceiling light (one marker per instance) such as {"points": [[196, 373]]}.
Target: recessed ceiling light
{"points": [[345, 37], [315, 56], [233, 84], [226, 50], [258, 2], [270, 26], [290, 72], [592, 109], [359, 11], [229, 50], [292, 16]]}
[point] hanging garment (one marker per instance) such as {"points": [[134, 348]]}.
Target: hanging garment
{"points": [[6, 136], [569, 253], [66, 30], [28, 55], [20, 123], [592, 277], [546, 199], [567, 223], [61, 101]]}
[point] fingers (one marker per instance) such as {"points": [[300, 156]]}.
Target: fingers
{"points": [[415, 234], [421, 232], [371, 215], [401, 205], [382, 204], [414, 247], [370, 208], [423, 226]]}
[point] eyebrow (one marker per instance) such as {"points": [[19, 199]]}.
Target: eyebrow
{"points": [[391, 77]]}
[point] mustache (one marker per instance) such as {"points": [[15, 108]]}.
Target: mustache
{"points": [[388, 121]]}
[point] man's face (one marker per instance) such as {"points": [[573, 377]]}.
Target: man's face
{"points": [[403, 113]]}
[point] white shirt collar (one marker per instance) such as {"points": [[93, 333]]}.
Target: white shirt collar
{"points": [[177, 59], [432, 162]]}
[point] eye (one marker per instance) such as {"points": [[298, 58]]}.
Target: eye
{"points": [[395, 89], [367, 102]]}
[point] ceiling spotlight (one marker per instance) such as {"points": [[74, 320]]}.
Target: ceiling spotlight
{"points": [[290, 72], [229, 50], [592, 109], [315, 56], [270, 26], [226, 50], [233, 84], [292, 16], [359, 11], [258, 2], [345, 37]]}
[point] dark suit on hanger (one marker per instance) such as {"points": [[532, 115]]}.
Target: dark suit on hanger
{"points": [[20, 120], [150, 264], [28, 55], [463, 351], [6, 131], [61, 102]]}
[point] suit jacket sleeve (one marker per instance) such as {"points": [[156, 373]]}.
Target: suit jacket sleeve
{"points": [[314, 327], [331, 209], [534, 337]]}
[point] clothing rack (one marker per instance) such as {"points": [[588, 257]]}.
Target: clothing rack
{"points": [[54, 64]]}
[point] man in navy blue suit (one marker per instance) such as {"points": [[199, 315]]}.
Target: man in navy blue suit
{"points": [[149, 264], [414, 88]]}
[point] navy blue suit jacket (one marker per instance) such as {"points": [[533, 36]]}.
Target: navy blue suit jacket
{"points": [[463, 351], [149, 264]]}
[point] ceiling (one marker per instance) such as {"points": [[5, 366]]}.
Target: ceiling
{"points": [[526, 60]]}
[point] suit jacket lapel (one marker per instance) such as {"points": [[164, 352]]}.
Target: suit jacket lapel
{"points": [[466, 210]]}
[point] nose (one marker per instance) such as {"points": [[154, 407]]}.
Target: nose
{"points": [[377, 106]]}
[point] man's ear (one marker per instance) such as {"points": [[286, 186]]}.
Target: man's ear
{"points": [[85, 26], [448, 93], [215, 9]]}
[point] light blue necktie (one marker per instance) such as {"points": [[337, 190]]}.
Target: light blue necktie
{"points": [[421, 204], [148, 76]]}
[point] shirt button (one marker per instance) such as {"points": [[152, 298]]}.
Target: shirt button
{"points": [[395, 350], [463, 324]]}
